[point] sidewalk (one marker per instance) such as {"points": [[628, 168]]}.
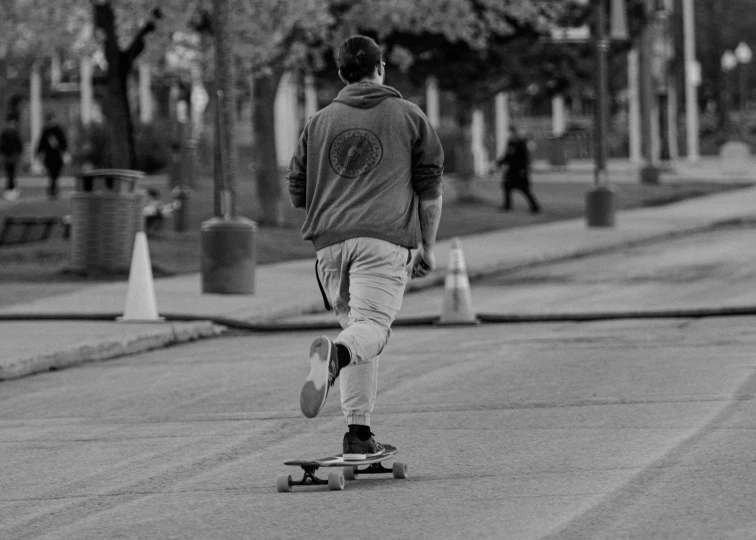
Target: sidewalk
{"points": [[288, 289], [707, 168]]}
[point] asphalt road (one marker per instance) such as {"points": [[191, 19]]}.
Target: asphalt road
{"points": [[615, 429]]}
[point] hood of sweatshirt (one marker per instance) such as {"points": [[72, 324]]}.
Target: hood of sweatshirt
{"points": [[365, 95]]}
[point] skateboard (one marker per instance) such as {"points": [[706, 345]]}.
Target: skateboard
{"points": [[350, 470]]}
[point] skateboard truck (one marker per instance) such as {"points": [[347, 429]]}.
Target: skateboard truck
{"points": [[399, 470], [335, 481]]}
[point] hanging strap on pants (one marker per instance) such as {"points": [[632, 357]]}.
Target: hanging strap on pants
{"points": [[326, 303]]}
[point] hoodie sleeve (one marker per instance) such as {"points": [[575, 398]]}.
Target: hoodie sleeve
{"points": [[427, 160], [297, 175]]}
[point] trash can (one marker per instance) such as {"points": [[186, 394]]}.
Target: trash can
{"points": [[106, 214], [228, 255], [557, 151]]}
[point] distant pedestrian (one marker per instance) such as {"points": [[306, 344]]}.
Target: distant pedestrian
{"points": [[11, 148], [517, 176], [53, 150]]}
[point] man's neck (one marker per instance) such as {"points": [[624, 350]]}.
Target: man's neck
{"points": [[371, 80]]}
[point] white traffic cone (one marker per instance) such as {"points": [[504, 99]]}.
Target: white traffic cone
{"points": [[141, 305], [457, 304]]}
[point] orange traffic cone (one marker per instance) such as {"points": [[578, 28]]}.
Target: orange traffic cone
{"points": [[141, 305], [457, 304]]}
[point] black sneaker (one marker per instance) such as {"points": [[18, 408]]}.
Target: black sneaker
{"points": [[324, 368], [355, 448]]}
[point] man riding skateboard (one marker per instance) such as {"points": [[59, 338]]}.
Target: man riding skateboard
{"points": [[367, 169]]}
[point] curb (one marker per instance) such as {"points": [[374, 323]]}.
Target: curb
{"points": [[108, 350]]}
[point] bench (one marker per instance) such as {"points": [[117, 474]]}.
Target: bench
{"points": [[32, 229]]}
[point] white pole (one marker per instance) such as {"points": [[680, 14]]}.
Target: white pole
{"points": [[501, 107], [432, 102], [558, 115], [286, 119], [634, 109], [672, 134], [311, 96], [480, 157], [35, 109], [145, 93], [55, 70], [691, 90], [86, 92]]}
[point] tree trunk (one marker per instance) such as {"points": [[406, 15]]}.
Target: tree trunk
{"points": [[267, 173], [121, 128], [118, 111]]}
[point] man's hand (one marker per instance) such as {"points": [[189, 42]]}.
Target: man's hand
{"points": [[422, 263]]}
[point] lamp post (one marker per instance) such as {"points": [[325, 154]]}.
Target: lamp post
{"points": [[744, 55], [599, 201], [692, 81], [228, 240], [728, 63]]}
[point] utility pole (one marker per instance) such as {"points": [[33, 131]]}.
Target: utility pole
{"points": [[227, 240]]}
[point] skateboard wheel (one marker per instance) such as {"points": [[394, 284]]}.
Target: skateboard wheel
{"points": [[400, 470], [335, 481], [283, 483], [350, 473]]}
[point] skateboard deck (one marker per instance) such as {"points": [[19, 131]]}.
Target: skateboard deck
{"points": [[351, 468]]}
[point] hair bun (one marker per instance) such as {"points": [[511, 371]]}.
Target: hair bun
{"points": [[357, 58]]}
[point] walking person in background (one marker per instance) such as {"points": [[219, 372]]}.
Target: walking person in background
{"points": [[11, 148], [367, 169], [517, 176], [53, 150]]}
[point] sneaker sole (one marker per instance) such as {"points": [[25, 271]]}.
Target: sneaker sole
{"points": [[360, 457], [315, 389]]}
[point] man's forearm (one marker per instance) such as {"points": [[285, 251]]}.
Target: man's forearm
{"points": [[430, 217]]}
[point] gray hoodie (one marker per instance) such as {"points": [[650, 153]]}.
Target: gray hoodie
{"points": [[361, 165]]}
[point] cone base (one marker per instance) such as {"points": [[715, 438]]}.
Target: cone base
{"points": [[456, 323], [140, 321]]}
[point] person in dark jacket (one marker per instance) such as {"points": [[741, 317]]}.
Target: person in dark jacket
{"points": [[52, 149], [367, 169], [517, 175], [11, 148]]}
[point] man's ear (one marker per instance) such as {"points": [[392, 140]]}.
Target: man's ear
{"points": [[342, 78]]}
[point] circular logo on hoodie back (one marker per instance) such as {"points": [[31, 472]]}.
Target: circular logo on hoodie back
{"points": [[355, 152]]}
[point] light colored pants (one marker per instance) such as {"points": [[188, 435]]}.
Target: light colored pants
{"points": [[364, 279]]}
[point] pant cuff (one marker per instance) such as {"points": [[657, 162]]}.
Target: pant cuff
{"points": [[359, 419]]}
